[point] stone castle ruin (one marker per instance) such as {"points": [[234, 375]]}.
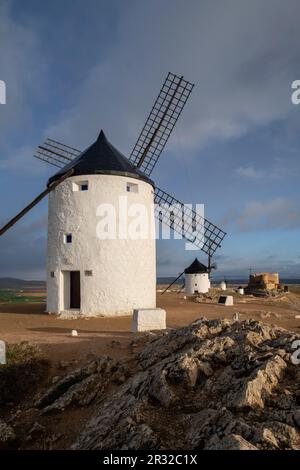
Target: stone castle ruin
{"points": [[264, 284]]}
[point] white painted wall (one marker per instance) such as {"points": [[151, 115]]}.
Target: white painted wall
{"points": [[124, 271], [197, 282]]}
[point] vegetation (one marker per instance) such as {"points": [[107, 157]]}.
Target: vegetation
{"points": [[18, 296], [24, 370], [21, 353]]}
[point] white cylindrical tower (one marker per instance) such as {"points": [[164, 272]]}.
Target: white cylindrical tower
{"points": [[94, 266], [196, 278], [223, 285]]}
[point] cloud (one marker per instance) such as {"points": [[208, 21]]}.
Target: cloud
{"points": [[276, 214], [21, 159], [22, 68], [249, 172], [278, 168], [23, 250], [240, 55], [235, 267]]}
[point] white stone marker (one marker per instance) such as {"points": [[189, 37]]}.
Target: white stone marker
{"points": [[2, 352], [147, 319], [226, 300]]}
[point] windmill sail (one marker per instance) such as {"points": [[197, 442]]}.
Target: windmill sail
{"points": [[160, 122], [153, 137], [184, 220], [144, 156], [188, 223], [56, 153]]}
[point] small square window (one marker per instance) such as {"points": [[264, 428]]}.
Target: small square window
{"points": [[88, 273], [132, 188], [52, 274], [81, 186], [68, 238]]}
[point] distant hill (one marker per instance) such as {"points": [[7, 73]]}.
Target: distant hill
{"points": [[12, 283]]}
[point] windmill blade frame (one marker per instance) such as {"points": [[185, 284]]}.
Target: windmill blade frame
{"points": [[153, 138], [173, 282], [185, 221], [160, 123], [55, 153]]}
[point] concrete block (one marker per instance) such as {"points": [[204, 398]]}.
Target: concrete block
{"points": [[226, 300], [147, 319]]}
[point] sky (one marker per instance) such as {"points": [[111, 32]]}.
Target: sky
{"points": [[72, 67]]}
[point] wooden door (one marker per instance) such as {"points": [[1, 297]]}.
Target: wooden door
{"points": [[75, 289]]}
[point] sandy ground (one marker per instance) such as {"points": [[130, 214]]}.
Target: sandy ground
{"points": [[107, 336], [112, 336]]}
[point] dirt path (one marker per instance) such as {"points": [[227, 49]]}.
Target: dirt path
{"points": [[112, 336]]}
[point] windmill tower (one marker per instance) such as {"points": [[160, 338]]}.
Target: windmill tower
{"points": [[91, 276], [85, 273], [196, 278]]}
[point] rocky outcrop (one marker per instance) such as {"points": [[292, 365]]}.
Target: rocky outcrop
{"points": [[215, 384], [82, 386]]}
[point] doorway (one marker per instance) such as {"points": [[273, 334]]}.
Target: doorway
{"points": [[75, 289]]}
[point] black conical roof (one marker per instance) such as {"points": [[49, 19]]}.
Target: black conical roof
{"points": [[101, 158], [196, 268]]}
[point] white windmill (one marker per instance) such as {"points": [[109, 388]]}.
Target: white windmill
{"points": [[196, 278], [93, 276]]}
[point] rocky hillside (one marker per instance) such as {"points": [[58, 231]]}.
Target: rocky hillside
{"points": [[215, 384]]}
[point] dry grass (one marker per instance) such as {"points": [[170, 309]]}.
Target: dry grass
{"points": [[23, 371], [22, 353]]}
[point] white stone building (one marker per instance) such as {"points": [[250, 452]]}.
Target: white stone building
{"points": [[196, 278], [87, 275]]}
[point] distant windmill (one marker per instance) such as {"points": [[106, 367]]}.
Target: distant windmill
{"points": [[108, 277], [196, 278]]}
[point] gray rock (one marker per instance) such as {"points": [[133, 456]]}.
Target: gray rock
{"points": [[230, 442], [296, 417]]}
